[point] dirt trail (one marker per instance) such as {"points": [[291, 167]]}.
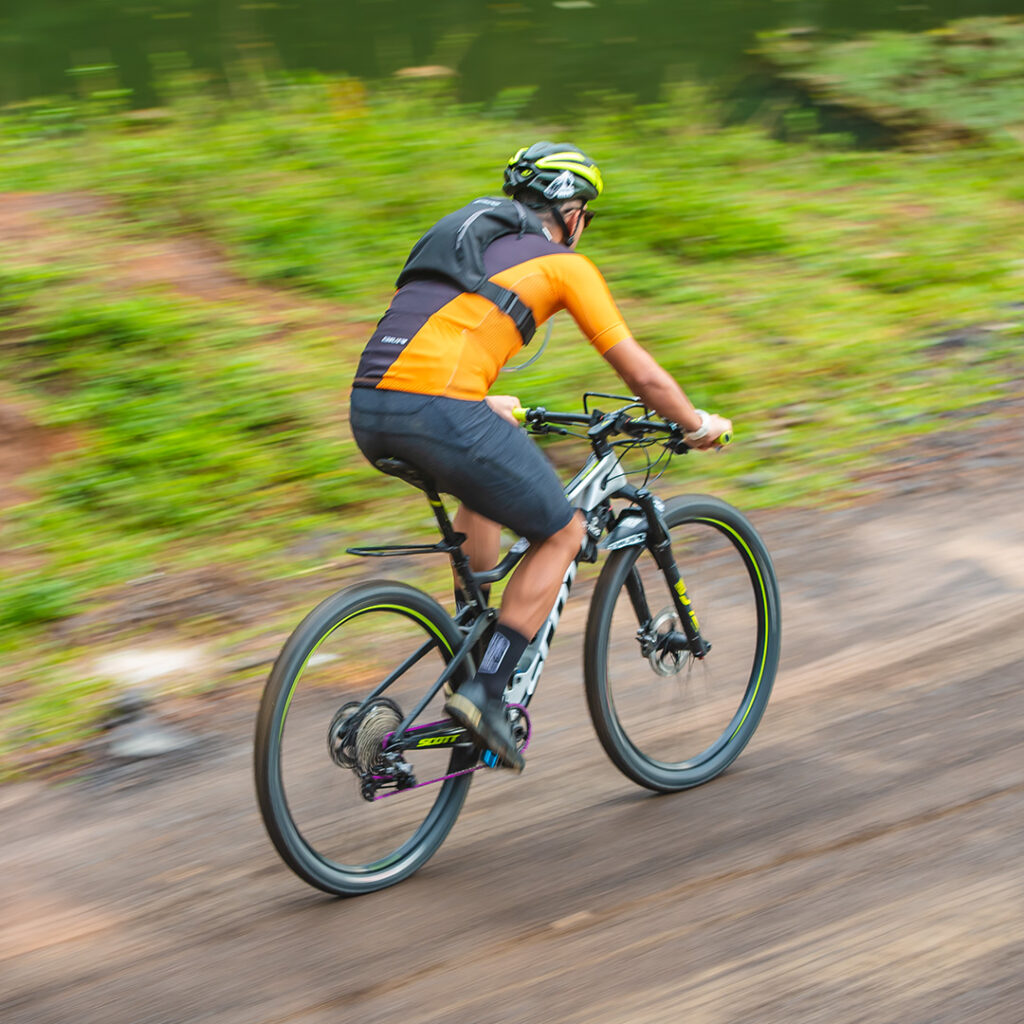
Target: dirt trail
{"points": [[46, 226], [860, 862]]}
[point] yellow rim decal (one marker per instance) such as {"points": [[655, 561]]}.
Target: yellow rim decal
{"points": [[764, 604]]}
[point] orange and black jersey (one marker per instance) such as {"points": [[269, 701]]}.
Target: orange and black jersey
{"points": [[437, 340]]}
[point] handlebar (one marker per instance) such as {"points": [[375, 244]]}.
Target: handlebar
{"points": [[602, 425], [539, 416]]}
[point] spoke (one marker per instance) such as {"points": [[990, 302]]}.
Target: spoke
{"points": [[402, 669]]}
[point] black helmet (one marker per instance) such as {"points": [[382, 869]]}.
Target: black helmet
{"points": [[549, 172]]}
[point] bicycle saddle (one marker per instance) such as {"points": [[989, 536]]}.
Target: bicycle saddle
{"points": [[406, 471]]}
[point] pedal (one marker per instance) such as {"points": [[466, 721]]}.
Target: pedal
{"points": [[521, 728]]}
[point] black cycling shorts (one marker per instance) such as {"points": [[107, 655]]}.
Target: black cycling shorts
{"points": [[491, 466]]}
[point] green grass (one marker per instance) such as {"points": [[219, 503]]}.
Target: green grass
{"points": [[796, 287], [966, 79]]}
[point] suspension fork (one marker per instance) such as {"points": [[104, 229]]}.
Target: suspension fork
{"points": [[637, 597], [660, 545]]}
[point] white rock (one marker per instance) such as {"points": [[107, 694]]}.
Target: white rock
{"points": [[138, 665]]}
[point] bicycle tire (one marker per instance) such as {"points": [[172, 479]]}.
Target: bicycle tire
{"points": [[401, 608], [722, 557]]}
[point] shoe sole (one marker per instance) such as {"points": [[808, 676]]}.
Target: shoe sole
{"points": [[467, 714]]}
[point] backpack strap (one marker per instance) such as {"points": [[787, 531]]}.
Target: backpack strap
{"points": [[511, 305]]}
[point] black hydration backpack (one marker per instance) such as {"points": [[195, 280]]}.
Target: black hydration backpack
{"points": [[453, 249]]}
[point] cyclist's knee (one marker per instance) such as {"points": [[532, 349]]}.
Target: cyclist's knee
{"points": [[571, 535]]}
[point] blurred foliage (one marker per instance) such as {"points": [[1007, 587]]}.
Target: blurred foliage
{"points": [[806, 290], [962, 82]]}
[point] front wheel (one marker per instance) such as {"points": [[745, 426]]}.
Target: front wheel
{"points": [[667, 719], [318, 796]]}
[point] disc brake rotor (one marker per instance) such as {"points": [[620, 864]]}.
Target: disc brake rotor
{"points": [[663, 661], [339, 744]]}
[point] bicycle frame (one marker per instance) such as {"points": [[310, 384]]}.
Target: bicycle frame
{"points": [[598, 480], [601, 478]]}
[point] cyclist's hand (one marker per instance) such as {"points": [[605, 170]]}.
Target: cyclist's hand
{"points": [[715, 432], [504, 406], [719, 433]]}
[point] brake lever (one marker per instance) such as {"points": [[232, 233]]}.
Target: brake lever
{"points": [[677, 443]]}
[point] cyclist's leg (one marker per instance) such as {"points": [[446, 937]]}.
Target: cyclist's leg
{"points": [[513, 483], [498, 472], [478, 704], [483, 538], [533, 587], [482, 544]]}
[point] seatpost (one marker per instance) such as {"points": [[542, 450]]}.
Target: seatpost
{"points": [[451, 538], [453, 543]]}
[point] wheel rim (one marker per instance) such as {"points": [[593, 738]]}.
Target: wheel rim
{"points": [[682, 720], [318, 803]]}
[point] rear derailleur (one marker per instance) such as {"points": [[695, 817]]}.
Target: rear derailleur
{"points": [[356, 740]]}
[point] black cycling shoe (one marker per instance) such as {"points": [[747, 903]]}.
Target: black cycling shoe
{"points": [[484, 716]]}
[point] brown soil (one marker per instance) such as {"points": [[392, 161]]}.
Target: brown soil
{"points": [[858, 863], [44, 226], [24, 448]]}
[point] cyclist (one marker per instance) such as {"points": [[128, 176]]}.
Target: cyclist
{"points": [[470, 296]]}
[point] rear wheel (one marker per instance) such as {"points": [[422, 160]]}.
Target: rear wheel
{"points": [[312, 793], [668, 720]]}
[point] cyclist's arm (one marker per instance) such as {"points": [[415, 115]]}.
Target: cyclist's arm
{"points": [[649, 381], [587, 297], [659, 390]]}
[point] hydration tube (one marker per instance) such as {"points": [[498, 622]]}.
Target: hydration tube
{"points": [[536, 355]]}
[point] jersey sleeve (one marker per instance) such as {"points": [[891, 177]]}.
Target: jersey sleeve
{"points": [[586, 295]]}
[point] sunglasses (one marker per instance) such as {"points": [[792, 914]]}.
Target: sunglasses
{"points": [[588, 216]]}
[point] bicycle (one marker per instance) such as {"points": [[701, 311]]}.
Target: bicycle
{"points": [[677, 675]]}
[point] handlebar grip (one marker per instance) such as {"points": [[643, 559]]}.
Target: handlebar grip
{"points": [[520, 413], [725, 438]]}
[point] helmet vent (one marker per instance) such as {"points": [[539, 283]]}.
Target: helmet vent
{"points": [[563, 187]]}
